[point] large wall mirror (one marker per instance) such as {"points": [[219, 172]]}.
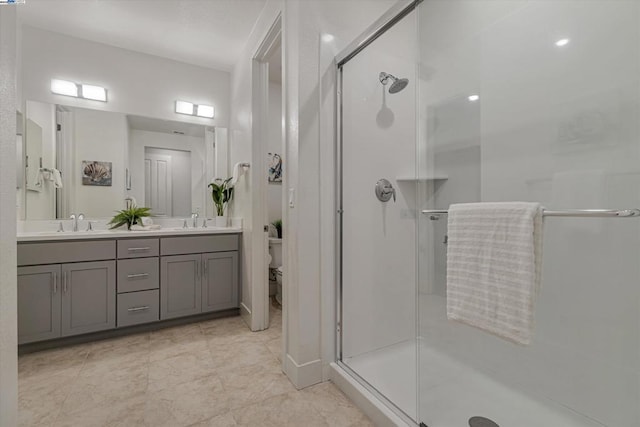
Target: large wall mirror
{"points": [[80, 160]]}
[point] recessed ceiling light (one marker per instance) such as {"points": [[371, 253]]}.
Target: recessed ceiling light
{"points": [[327, 38], [562, 42], [473, 98], [184, 107], [64, 87]]}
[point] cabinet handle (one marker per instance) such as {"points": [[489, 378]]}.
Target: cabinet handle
{"points": [[141, 308], [138, 249], [64, 282], [55, 283], [204, 269], [197, 269], [133, 276]]}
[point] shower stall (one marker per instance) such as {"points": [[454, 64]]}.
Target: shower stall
{"points": [[451, 101]]}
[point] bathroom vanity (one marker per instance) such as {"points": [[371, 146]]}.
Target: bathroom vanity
{"points": [[71, 284]]}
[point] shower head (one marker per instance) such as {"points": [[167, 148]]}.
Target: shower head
{"points": [[397, 84]]}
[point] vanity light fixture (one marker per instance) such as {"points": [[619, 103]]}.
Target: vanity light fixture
{"points": [[64, 87], [205, 111], [97, 93], [183, 107], [78, 90]]}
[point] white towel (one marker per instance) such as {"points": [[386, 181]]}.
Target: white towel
{"points": [[56, 177], [494, 257]]}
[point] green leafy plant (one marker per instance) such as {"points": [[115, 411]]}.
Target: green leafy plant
{"points": [[221, 193], [130, 216], [278, 225]]}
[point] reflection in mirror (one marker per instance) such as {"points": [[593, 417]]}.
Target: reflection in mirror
{"points": [[89, 161]]}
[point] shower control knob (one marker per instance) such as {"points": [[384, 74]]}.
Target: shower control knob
{"points": [[385, 191]]}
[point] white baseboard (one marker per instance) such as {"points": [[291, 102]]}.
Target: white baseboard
{"points": [[304, 375], [245, 313], [377, 411]]}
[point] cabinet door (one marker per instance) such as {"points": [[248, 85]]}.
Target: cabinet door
{"points": [[180, 288], [39, 291], [88, 297], [220, 283]]}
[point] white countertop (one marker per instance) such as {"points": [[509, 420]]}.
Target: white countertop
{"points": [[35, 236]]}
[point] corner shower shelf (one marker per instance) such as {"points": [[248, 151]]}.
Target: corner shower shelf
{"points": [[422, 179]]}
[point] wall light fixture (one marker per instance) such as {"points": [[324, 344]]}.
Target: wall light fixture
{"points": [[78, 90]]}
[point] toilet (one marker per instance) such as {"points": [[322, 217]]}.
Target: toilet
{"points": [[279, 286], [275, 268]]}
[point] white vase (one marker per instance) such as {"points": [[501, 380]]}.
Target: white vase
{"points": [[221, 221]]}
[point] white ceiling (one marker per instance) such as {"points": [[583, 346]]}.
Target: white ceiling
{"points": [[209, 33]]}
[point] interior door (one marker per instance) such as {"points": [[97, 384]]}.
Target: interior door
{"points": [[158, 184]]}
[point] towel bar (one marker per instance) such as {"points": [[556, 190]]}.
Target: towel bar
{"points": [[591, 213]]}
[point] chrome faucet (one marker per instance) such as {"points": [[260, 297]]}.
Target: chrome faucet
{"points": [[194, 216], [75, 219]]}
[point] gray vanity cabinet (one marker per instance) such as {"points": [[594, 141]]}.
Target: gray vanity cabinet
{"points": [[180, 286], [39, 309], [88, 297], [220, 281], [198, 274]]}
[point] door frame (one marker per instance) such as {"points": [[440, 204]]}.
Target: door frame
{"points": [[260, 127]]}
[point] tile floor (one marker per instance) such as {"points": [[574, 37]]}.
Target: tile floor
{"points": [[212, 373]]}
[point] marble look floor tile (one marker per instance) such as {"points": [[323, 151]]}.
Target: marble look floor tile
{"points": [[238, 354], [66, 361], [114, 388], [285, 410], [275, 347], [334, 407], [212, 373], [167, 347], [254, 383], [41, 397], [179, 369], [105, 361], [186, 403], [225, 420], [192, 329], [127, 413]]}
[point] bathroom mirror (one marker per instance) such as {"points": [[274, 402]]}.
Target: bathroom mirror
{"points": [[84, 160]]}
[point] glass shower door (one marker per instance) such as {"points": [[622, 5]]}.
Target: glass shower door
{"points": [[378, 228], [534, 101]]}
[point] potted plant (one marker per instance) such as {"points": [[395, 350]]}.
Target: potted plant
{"points": [[278, 225], [221, 193], [130, 216]]}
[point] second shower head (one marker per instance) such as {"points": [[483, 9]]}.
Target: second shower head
{"points": [[397, 84]]}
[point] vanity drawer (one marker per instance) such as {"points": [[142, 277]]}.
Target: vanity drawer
{"points": [[138, 274], [138, 307], [199, 244], [62, 252], [138, 248]]}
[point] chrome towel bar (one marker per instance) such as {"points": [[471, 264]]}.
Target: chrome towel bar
{"points": [[590, 213]]}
